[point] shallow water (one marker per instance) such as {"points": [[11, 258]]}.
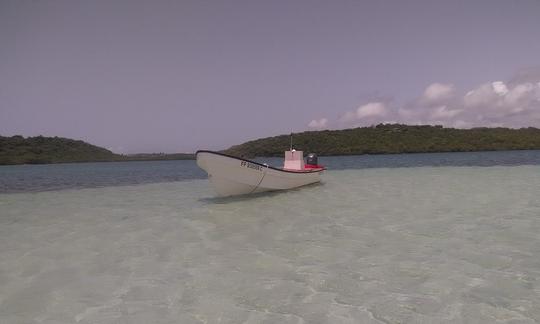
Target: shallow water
{"points": [[386, 245]]}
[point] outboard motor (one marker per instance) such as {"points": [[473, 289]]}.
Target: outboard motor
{"points": [[312, 162], [312, 159]]}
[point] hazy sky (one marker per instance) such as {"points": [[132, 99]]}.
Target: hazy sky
{"points": [[172, 76]]}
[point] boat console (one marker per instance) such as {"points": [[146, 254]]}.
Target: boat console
{"points": [[294, 160]]}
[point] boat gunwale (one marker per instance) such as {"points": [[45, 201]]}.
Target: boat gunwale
{"points": [[261, 164]]}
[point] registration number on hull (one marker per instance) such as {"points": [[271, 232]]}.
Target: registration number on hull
{"points": [[251, 165]]}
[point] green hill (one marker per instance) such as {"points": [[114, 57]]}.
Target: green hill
{"points": [[393, 138], [380, 139], [41, 150]]}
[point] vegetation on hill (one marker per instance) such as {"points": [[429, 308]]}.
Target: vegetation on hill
{"points": [[380, 139], [393, 138], [41, 150]]}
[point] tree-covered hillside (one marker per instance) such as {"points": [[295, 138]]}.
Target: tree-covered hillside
{"points": [[41, 150], [394, 138], [380, 139]]}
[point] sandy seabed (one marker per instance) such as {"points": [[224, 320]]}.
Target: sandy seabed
{"points": [[403, 245]]}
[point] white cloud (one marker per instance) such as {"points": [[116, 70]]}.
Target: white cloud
{"points": [[500, 88], [369, 113], [318, 123], [372, 109], [496, 104], [518, 93], [437, 92], [481, 96], [512, 103]]}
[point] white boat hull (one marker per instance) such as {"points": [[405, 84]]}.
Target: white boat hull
{"points": [[232, 176]]}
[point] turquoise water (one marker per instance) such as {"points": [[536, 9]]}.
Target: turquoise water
{"points": [[447, 244]]}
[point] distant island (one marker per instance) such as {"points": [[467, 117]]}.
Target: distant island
{"points": [[44, 150], [393, 139], [379, 139]]}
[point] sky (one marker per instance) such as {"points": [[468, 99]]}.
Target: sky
{"points": [[177, 76]]}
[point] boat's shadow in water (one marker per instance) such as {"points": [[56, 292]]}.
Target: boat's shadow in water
{"points": [[246, 197]]}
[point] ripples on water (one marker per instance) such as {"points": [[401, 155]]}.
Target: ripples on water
{"points": [[369, 245], [25, 178]]}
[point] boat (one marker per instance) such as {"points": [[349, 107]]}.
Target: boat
{"points": [[231, 175]]}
